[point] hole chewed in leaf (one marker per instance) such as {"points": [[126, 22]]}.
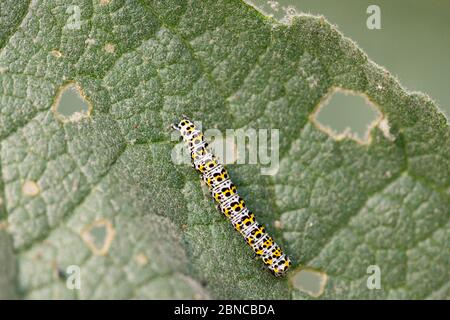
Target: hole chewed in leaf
{"points": [[346, 114], [98, 236], [310, 281], [71, 104]]}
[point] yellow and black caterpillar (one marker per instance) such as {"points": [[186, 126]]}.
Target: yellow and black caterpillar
{"points": [[230, 203]]}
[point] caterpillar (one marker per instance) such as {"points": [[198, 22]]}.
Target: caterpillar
{"points": [[232, 206]]}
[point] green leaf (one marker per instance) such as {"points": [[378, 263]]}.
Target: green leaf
{"points": [[100, 191]]}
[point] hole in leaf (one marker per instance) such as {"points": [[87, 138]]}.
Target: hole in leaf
{"points": [[98, 236], [310, 281], [347, 114], [70, 104]]}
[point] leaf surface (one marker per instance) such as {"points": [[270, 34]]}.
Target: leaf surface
{"points": [[102, 192]]}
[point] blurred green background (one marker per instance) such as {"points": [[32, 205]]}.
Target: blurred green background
{"points": [[413, 44]]}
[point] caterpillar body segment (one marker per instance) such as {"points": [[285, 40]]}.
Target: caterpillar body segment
{"points": [[216, 176]]}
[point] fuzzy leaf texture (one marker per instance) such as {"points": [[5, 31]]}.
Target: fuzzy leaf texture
{"points": [[102, 193]]}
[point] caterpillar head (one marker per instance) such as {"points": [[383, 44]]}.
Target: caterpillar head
{"points": [[185, 126]]}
